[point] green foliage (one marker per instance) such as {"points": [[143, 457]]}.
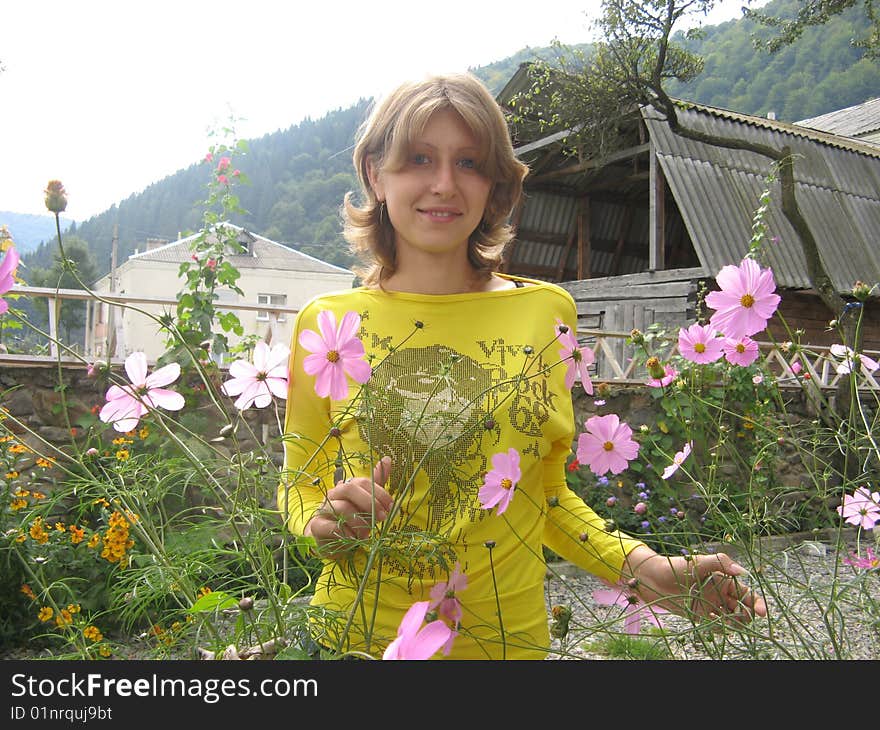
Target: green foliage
{"points": [[72, 268], [635, 648]]}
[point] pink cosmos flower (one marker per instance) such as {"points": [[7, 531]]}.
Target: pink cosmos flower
{"points": [[678, 460], [209, 157], [700, 344], [336, 353], [758, 379], [746, 299], [500, 481], [606, 445], [842, 352], [415, 641], [128, 403], [740, 351], [444, 598], [869, 562], [211, 264], [222, 179], [7, 275], [671, 374], [862, 508], [634, 610], [222, 164], [256, 383], [579, 358], [796, 367]]}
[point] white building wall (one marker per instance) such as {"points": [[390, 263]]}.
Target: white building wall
{"points": [[137, 330]]}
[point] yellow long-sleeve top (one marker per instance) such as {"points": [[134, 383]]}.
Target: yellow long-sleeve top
{"points": [[455, 379]]}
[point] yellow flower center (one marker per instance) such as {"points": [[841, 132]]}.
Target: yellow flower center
{"points": [[506, 483], [608, 446], [740, 347], [699, 347], [333, 356], [747, 300]]}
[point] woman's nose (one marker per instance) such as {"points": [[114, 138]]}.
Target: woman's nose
{"points": [[443, 182]]}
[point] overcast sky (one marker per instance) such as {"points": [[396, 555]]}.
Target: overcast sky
{"points": [[110, 96]]}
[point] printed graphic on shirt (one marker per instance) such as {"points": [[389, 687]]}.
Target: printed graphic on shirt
{"points": [[438, 413]]}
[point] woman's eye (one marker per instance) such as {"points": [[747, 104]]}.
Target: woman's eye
{"points": [[420, 159], [468, 163]]}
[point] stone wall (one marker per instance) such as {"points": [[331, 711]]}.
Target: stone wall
{"points": [[46, 403]]}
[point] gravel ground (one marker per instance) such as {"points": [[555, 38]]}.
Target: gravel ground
{"points": [[796, 574]]}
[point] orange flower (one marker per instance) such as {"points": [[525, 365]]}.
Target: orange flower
{"points": [[38, 495], [63, 618], [38, 532], [94, 540], [17, 504], [92, 633], [104, 650], [28, 591], [45, 614], [77, 534]]}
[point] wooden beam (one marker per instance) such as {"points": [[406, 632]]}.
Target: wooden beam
{"points": [[657, 215], [563, 259], [594, 163], [585, 247]]}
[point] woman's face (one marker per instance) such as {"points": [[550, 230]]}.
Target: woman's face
{"points": [[437, 198]]}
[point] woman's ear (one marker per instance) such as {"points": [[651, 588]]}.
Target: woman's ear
{"points": [[374, 176]]}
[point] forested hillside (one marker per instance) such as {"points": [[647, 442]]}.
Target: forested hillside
{"points": [[299, 175]]}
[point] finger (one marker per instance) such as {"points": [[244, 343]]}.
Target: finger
{"points": [[705, 565], [355, 497], [381, 473]]}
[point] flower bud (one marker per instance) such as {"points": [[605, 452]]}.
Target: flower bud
{"points": [[640, 508], [246, 603], [611, 501], [861, 291], [655, 368], [56, 197], [637, 337]]}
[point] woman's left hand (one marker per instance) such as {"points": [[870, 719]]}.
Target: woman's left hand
{"points": [[700, 586]]}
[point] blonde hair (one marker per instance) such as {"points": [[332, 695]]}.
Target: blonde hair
{"points": [[384, 138]]}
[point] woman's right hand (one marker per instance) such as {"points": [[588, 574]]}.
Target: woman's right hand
{"points": [[350, 510]]}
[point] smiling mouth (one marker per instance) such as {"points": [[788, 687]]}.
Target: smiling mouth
{"points": [[440, 214]]}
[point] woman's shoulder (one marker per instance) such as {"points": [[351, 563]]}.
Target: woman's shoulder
{"points": [[538, 286], [337, 301]]}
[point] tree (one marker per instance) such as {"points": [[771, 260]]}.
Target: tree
{"points": [[628, 69], [75, 270], [813, 13]]}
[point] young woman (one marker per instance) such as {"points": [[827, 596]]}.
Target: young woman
{"points": [[429, 466]]}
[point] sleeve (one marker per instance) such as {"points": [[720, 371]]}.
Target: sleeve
{"points": [[572, 529], [308, 460]]}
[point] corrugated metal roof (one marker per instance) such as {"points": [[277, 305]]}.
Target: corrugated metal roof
{"points": [[266, 254], [858, 120], [718, 191]]}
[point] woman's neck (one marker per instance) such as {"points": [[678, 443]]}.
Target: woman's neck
{"points": [[441, 277]]}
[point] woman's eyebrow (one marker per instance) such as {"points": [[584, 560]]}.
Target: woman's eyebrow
{"points": [[466, 148]]}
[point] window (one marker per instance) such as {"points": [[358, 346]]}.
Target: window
{"points": [[279, 300]]}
